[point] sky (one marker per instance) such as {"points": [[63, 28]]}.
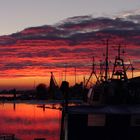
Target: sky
{"points": [[26, 57], [16, 15]]}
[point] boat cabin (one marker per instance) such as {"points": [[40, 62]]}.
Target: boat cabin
{"points": [[118, 122]]}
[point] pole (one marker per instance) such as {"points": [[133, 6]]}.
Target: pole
{"points": [[65, 71], [106, 61], [75, 75]]}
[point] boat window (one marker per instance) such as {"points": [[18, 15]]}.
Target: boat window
{"points": [[135, 120], [96, 119]]}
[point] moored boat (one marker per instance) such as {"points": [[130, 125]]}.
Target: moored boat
{"points": [[112, 110]]}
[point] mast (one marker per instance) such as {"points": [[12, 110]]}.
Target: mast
{"points": [[106, 61], [132, 69], [119, 70], [53, 80], [75, 74], [93, 72], [101, 77], [65, 71]]}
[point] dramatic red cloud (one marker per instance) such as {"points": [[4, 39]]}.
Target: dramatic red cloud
{"points": [[30, 55]]}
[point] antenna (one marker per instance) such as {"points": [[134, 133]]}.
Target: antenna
{"points": [[93, 65], [119, 51]]}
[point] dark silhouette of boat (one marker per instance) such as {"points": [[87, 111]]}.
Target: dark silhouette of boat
{"points": [[112, 109], [117, 88]]}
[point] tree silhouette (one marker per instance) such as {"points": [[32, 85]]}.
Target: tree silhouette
{"points": [[41, 91]]}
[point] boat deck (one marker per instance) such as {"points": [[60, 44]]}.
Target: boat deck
{"points": [[104, 109]]}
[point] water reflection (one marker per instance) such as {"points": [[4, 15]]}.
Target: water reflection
{"points": [[27, 121]]}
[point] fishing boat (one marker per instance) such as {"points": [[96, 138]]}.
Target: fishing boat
{"points": [[117, 88], [112, 110]]}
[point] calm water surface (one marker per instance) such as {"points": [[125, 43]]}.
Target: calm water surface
{"points": [[27, 121]]}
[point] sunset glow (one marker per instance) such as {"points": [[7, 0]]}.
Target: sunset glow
{"points": [[26, 64]]}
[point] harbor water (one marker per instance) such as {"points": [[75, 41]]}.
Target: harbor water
{"points": [[28, 121]]}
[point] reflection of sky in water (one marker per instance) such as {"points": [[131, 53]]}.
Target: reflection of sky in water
{"points": [[28, 121]]}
